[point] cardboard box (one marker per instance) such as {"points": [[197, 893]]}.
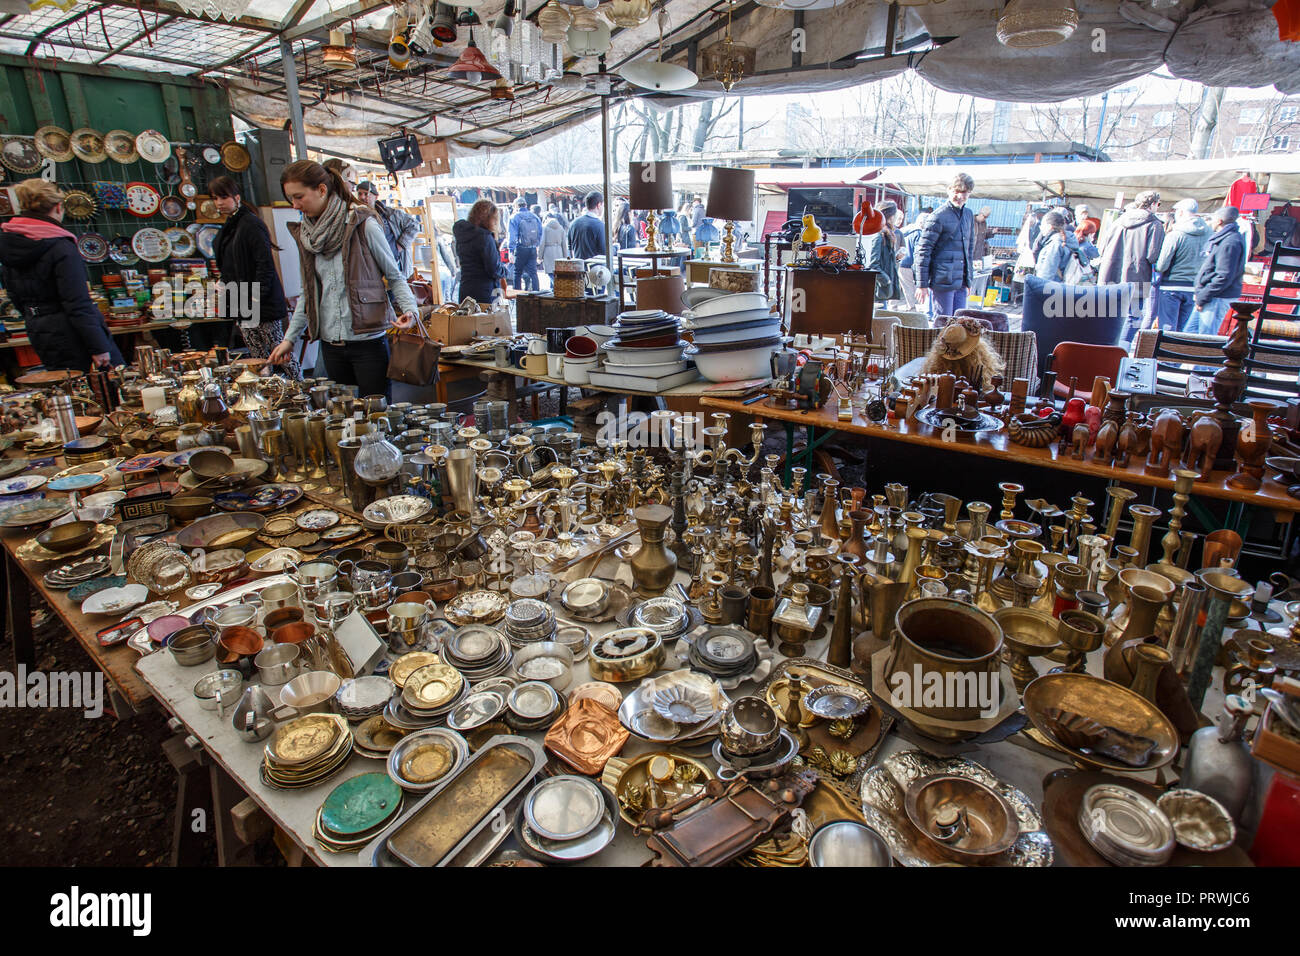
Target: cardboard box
{"points": [[450, 329]]}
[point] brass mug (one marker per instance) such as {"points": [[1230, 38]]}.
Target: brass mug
{"points": [[762, 605]]}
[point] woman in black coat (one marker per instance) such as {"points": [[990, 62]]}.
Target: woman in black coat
{"points": [[252, 292], [481, 270], [46, 279]]}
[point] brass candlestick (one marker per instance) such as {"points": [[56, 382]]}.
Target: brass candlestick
{"points": [[1144, 517], [1169, 544], [1118, 498], [1009, 491]]}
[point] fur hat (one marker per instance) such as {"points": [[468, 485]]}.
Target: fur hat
{"points": [[959, 338]]}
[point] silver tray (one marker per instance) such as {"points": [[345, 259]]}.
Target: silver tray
{"points": [[639, 716]]}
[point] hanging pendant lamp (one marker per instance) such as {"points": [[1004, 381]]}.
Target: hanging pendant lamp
{"points": [[653, 73], [473, 66], [1028, 24]]}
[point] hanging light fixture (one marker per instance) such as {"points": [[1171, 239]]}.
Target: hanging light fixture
{"points": [[592, 42], [473, 66], [653, 73], [629, 13], [504, 25], [444, 23], [730, 61], [554, 21], [338, 54], [1029, 24]]}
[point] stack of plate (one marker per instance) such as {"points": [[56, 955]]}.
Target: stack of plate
{"points": [[70, 575], [734, 336], [363, 697], [534, 705], [666, 616], [529, 621], [1125, 827], [375, 737], [723, 652], [432, 690], [478, 652], [566, 818], [477, 709], [645, 345], [650, 328], [421, 760], [356, 810], [305, 751]]}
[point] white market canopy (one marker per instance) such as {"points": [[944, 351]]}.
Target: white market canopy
{"points": [[952, 44], [1204, 180]]}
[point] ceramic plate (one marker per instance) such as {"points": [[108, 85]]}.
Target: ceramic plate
{"points": [[142, 199], [264, 498], [29, 514], [88, 145], [54, 143], [21, 483], [92, 246], [151, 245], [140, 463], [120, 146], [21, 155], [211, 155], [317, 519], [341, 532], [120, 251], [76, 482], [94, 586], [153, 146], [115, 600], [205, 237], [182, 242], [173, 208], [109, 195]]}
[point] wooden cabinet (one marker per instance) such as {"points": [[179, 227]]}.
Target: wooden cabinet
{"points": [[542, 311]]}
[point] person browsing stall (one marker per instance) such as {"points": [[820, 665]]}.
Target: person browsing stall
{"points": [[345, 261]]}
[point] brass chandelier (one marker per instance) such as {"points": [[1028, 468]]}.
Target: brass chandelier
{"points": [[730, 61]]}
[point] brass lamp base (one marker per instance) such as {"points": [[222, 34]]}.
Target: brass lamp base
{"points": [[651, 231], [728, 242]]}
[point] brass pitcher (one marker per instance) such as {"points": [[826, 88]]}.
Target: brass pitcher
{"points": [[1147, 595]]}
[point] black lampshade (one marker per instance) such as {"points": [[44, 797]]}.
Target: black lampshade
{"points": [[731, 194], [650, 186]]}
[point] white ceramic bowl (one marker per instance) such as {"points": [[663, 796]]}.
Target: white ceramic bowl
{"points": [[737, 366], [730, 336]]}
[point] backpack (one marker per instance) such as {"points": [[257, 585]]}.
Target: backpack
{"points": [[530, 231], [1279, 226]]}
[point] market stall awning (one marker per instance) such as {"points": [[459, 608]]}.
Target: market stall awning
{"points": [[952, 44]]}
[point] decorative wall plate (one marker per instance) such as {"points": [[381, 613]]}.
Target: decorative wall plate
{"points": [[54, 142], [151, 245], [205, 237], [92, 246], [211, 155], [142, 199], [206, 210], [120, 251], [235, 157], [153, 146], [78, 204], [110, 195], [88, 145], [173, 208], [182, 242], [120, 146], [20, 154]]}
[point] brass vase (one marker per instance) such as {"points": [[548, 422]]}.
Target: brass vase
{"points": [[1146, 594], [653, 565]]}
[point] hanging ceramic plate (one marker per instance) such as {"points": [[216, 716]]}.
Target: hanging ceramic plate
{"points": [[182, 242], [212, 155], [110, 195], [173, 208], [120, 251], [205, 237], [151, 245], [78, 204], [153, 146], [142, 199], [120, 146], [208, 211], [88, 145], [92, 246], [55, 143], [235, 157], [20, 154]]}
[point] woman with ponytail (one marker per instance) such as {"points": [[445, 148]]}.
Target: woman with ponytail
{"points": [[345, 260]]}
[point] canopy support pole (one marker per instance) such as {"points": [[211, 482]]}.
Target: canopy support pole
{"points": [[604, 170], [290, 69]]}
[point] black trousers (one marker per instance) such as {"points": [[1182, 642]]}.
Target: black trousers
{"points": [[363, 364]]}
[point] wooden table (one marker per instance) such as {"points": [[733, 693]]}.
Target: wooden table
{"points": [[1271, 496]]}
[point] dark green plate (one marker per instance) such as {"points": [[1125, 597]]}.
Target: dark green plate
{"points": [[94, 586], [360, 803]]}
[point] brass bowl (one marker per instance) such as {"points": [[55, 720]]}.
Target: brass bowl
{"points": [[211, 463], [1107, 703], [67, 537], [189, 508], [216, 532], [962, 816], [1081, 631], [1028, 632]]}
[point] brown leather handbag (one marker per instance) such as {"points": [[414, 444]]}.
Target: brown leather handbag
{"points": [[413, 355]]}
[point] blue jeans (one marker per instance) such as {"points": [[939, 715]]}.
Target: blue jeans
{"points": [[946, 301], [526, 268], [1209, 316], [1172, 308]]}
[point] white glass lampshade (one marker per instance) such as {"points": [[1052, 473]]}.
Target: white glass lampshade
{"points": [[651, 74], [589, 42], [1027, 24]]}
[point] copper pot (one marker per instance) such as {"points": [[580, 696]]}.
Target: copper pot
{"points": [[958, 641]]}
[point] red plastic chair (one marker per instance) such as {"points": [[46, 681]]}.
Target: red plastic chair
{"points": [[1084, 363]]}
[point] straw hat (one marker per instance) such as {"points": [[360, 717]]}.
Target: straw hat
{"points": [[959, 338]]}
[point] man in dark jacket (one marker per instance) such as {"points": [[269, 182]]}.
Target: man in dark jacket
{"points": [[45, 277], [945, 252], [587, 233], [400, 228], [1219, 280], [525, 235], [1130, 251], [1180, 260]]}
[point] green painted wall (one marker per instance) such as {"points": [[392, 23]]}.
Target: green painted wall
{"points": [[108, 98]]}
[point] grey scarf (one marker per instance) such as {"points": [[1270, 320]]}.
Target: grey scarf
{"points": [[324, 234]]}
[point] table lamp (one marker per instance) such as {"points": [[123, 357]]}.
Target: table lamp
{"points": [[650, 188], [731, 197]]}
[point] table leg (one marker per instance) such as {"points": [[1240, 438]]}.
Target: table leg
{"points": [[789, 451], [20, 615]]}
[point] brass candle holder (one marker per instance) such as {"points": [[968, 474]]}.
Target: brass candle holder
{"points": [[1144, 517], [1119, 497], [1009, 491]]}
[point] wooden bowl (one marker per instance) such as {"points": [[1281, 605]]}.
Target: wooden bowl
{"points": [[67, 537]]}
